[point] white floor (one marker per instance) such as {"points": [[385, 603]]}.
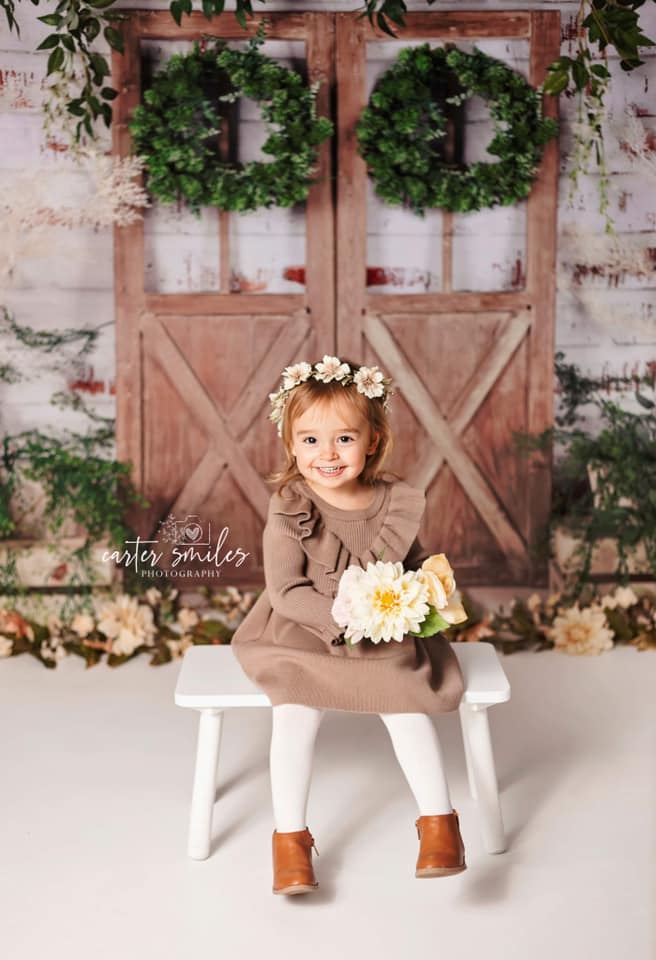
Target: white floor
{"points": [[97, 774]]}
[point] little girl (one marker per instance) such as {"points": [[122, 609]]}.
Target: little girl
{"points": [[333, 507]]}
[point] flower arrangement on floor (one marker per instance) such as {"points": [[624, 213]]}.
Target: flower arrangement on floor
{"points": [[593, 624], [122, 627], [157, 623]]}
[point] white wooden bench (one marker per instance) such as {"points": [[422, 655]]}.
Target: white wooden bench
{"points": [[211, 680]]}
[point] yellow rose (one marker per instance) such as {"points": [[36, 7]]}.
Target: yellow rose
{"points": [[436, 594], [454, 612], [440, 566]]}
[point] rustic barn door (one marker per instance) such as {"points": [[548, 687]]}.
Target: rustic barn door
{"points": [[472, 361], [469, 340], [194, 369]]}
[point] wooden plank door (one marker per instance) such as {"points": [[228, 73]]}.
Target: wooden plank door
{"points": [[470, 365], [194, 369]]}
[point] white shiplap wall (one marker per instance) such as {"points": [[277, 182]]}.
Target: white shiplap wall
{"points": [[65, 278]]}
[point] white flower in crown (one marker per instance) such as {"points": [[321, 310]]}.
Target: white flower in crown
{"points": [[297, 373], [369, 380], [331, 368]]}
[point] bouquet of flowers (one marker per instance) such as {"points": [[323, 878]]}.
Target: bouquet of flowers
{"points": [[386, 602]]}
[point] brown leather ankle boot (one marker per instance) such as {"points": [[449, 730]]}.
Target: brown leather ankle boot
{"points": [[441, 850], [292, 862]]}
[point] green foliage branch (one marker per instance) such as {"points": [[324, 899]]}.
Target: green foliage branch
{"points": [[623, 447], [78, 23], [400, 131], [175, 130]]}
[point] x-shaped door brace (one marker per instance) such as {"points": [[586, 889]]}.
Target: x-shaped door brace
{"points": [[446, 435], [223, 430]]}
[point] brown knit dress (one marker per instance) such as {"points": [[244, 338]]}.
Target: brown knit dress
{"points": [[284, 642]]}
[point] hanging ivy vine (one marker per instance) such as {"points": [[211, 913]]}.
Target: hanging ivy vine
{"points": [[76, 23]]}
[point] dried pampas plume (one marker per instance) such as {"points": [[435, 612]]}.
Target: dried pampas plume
{"points": [[97, 191], [639, 144], [603, 255]]}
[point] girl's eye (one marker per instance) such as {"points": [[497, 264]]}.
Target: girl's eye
{"points": [[346, 438]]}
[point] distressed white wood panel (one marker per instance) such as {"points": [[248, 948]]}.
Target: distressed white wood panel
{"points": [[259, 263], [181, 252]]}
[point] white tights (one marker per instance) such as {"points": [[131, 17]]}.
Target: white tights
{"points": [[294, 731]]}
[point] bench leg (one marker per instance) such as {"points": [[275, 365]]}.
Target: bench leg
{"points": [[462, 708], [202, 800], [482, 774]]}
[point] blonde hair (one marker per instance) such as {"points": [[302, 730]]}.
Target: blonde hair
{"points": [[312, 392]]}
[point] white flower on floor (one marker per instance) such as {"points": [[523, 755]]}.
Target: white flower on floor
{"points": [[623, 597], [331, 368], [187, 618], [82, 624], [380, 603], [6, 646], [178, 647], [153, 596], [127, 623], [52, 649], [12, 622], [579, 631]]}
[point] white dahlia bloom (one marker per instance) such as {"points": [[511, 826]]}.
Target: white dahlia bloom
{"points": [[379, 603], [127, 623], [331, 368], [583, 632]]}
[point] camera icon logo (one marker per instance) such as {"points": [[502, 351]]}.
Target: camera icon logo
{"points": [[190, 531]]}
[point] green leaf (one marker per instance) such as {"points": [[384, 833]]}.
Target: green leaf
{"points": [[51, 19], [49, 42], [580, 74], [434, 623], [108, 93], [555, 83], [55, 60], [113, 38], [99, 65], [176, 11]]}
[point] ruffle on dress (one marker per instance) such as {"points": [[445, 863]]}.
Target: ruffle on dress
{"points": [[404, 511]]}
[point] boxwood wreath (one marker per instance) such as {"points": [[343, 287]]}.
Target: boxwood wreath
{"points": [[400, 130], [175, 130]]}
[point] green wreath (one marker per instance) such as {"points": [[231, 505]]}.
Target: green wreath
{"points": [[175, 130], [400, 130]]}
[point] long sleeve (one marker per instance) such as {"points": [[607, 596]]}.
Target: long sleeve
{"points": [[290, 592], [416, 556]]}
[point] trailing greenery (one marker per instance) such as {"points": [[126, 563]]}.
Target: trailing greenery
{"points": [[77, 480], [76, 472], [175, 130], [49, 340], [77, 24], [401, 130], [623, 447]]}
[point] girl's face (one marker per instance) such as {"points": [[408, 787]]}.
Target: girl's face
{"points": [[331, 444]]}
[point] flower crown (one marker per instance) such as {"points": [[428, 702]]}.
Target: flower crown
{"points": [[369, 381]]}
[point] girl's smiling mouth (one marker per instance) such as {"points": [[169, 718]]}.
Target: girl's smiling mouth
{"points": [[330, 471]]}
